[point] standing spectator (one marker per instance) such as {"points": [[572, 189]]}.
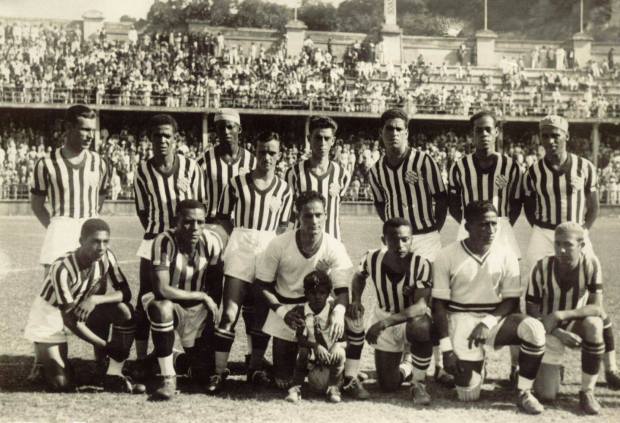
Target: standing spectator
{"points": [[610, 58]]}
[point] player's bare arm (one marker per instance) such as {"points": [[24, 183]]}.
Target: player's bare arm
{"points": [[529, 207], [481, 332], [356, 309], [441, 209], [454, 207], [291, 318], [163, 290], [592, 208], [79, 328], [514, 210], [37, 205], [380, 208]]}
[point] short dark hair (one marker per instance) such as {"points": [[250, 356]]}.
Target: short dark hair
{"points": [[93, 225], [267, 136], [78, 111], [395, 222], [308, 197], [481, 114], [189, 204], [317, 279], [162, 119], [394, 114], [476, 209], [322, 122]]}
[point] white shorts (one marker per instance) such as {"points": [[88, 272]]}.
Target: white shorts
{"points": [[426, 245], [191, 320], [461, 325], [62, 235], [45, 323], [392, 339], [242, 251], [145, 250], [505, 235], [555, 349], [541, 245], [275, 326]]}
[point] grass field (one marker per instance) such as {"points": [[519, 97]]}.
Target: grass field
{"points": [[20, 281]]}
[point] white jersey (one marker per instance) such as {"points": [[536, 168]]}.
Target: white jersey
{"points": [[472, 283], [283, 263]]}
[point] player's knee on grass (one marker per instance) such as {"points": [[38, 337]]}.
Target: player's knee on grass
{"points": [[124, 313], [161, 311], [547, 383], [592, 328], [532, 331], [388, 374], [419, 329]]}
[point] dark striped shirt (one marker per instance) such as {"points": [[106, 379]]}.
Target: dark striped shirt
{"points": [[333, 184], [389, 286], [560, 196], [499, 184], [217, 174], [73, 190], [187, 273], [66, 284], [552, 294], [157, 194], [408, 190]]}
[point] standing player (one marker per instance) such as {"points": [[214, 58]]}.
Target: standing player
{"points": [[219, 165], [402, 282], [280, 273], [406, 183], [159, 185], [75, 180], [182, 297], [476, 291], [566, 293], [260, 206], [76, 299], [562, 187], [320, 174]]}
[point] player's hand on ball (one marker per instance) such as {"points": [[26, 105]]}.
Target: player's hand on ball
{"points": [[84, 308], [372, 334], [551, 321], [355, 311], [322, 354], [567, 338], [294, 320], [478, 336], [450, 362]]}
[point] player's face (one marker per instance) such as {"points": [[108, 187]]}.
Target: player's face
{"points": [[398, 240], [395, 135], [190, 224], [317, 298], [567, 248], [81, 134], [482, 231], [267, 154], [553, 140], [227, 132], [95, 245], [485, 134], [312, 217], [321, 142], [163, 139]]}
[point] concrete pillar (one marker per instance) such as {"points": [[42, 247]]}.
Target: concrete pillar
{"points": [[485, 48], [98, 131], [92, 23], [582, 45], [295, 37], [392, 37], [595, 137], [205, 131]]}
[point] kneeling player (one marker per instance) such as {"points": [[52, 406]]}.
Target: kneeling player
{"points": [[566, 292], [476, 292], [75, 298], [320, 357], [402, 281], [182, 297]]}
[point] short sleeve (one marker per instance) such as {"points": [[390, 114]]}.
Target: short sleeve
{"points": [[339, 265], [117, 278], [139, 189], [375, 186], [162, 252], [421, 273], [534, 293], [61, 280], [528, 182], [432, 176], [104, 175], [38, 180], [595, 279], [591, 182], [454, 187], [510, 285], [287, 206], [441, 276]]}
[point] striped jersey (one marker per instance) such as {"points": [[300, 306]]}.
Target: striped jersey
{"points": [[253, 208], [332, 185], [407, 190], [65, 283], [217, 174], [499, 184], [72, 189], [389, 285], [560, 196], [188, 273], [552, 294], [472, 283], [157, 193]]}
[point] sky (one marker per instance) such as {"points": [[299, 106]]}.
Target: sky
{"points": [[73, 9]]}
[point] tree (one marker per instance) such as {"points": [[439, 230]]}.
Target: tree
{"points": [[360, 16], [318, 16], [166, 16], [262, 14], [197, 10], [219, 15]]}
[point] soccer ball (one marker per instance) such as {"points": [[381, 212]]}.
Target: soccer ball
{"points": [[318, 378]]}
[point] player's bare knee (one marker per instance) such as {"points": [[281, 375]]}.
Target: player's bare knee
{"points": [[124, 313], [531, 331], [592, 328], [463, 377], [419, 329], [161, 311]]}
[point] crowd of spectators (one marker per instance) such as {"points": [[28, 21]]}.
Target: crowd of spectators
{"points": [[51, 63]]}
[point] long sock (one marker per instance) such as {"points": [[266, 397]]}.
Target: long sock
{"points": [[421, 355], [530, 357], [260, 341], [115, 367], [166, 365], [223, 343], [142, 348], [355, 344], [121, 341], [247, 312], [163, 338], [610, 347], [591, 356]]}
